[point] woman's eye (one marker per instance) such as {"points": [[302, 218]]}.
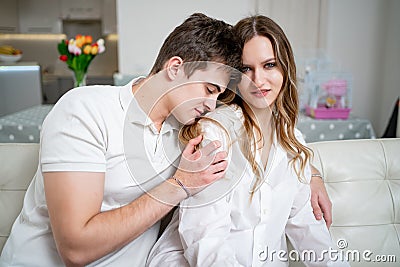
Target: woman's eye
{"points": [[245, 69], [270, 65], [210, 90]]}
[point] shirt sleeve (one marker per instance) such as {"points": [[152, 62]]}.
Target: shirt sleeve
{"points": [[309, 236], [72, 137], [204, 228]]}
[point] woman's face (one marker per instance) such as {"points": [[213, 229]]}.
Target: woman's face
{"points": [[263, 79]]}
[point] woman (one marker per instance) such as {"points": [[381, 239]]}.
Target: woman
{"points": [[244, 219]]}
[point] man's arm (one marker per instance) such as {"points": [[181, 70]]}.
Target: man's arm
{"points": [[320, 202], [83, 233]]}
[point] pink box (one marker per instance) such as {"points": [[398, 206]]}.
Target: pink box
{"points": [[328, 113]]}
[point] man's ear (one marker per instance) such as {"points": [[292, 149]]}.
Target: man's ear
{"points": [[173, 66]]}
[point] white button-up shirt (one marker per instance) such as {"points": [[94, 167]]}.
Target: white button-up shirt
{"points": [[224, 226]]}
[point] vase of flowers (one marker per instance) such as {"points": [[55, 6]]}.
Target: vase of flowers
{"points": [[78, 53]]}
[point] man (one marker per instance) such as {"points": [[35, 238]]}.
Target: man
{"points": [[90, 203]]}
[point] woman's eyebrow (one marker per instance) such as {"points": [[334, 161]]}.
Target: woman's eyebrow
{"points": [[268, 60]]}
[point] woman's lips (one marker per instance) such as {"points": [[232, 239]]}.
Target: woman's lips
{"points": [[261, 92]]}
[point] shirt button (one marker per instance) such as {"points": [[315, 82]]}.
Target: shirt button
{"points": [[265, 211]]}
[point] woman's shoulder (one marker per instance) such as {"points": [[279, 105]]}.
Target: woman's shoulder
{"points": [[227, 115]]}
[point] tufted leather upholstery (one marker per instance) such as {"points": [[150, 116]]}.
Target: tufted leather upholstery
{"points": [[18, 165], [362, 178]]}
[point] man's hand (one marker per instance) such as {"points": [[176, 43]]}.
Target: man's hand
{"points": [[320, 202], [200, 168]]}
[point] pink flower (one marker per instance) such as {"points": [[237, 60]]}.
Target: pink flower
{"points": [[101, 46], [73, 48]]}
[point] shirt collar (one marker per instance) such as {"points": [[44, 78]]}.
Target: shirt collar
{"points": [[126, 94], [171, 123]]}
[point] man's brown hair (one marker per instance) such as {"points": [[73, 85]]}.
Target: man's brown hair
{"points": [[200, 38]]}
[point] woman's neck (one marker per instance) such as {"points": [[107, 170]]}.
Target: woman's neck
{"points": [[264, 119]]}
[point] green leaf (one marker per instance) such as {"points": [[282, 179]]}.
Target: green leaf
{"points": [[63, 48]]}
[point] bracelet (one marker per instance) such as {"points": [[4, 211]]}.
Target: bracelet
{"points": [[182, 186], [317, 175]]}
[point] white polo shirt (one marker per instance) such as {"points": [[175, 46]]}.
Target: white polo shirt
{"points": [[88, 130]]}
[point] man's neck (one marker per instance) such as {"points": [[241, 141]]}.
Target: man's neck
{"points": [[150, 95]]}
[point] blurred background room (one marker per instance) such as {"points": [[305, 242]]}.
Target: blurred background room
{"points": [[355, 42]]}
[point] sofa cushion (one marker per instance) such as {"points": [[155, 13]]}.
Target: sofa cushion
{"points": [[19, 163]]}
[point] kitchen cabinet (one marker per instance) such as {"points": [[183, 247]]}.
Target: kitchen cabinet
{"points": [[109, 21], [9, 16], [47, 16], [39, 16], [78, 9]]}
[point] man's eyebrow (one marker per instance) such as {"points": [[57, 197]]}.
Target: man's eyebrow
{"points": [[216, 86]]}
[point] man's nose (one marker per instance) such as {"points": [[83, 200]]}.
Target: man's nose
{"points": [[210, 103]]}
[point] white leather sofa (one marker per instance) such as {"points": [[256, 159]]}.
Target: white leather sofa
{"points": [[362, 178]]}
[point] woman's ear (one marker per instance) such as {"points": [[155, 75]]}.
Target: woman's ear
{"points": [[173, 67]]}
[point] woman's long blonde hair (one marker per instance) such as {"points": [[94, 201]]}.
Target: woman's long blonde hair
{"points": [[286, 106]]}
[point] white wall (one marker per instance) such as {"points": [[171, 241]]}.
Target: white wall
{"points": [[363, 36], [143, 25], [357, 39], [301, 21]]}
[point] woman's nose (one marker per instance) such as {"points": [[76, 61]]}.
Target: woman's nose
{"points": [[258, 78]]}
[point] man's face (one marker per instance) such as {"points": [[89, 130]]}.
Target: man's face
{"points": [[198, 94]]}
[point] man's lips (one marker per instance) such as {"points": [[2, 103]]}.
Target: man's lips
{"points": [[199, 112]]}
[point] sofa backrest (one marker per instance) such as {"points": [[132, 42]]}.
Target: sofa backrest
{"points": [[19, 163], [362, 178]]}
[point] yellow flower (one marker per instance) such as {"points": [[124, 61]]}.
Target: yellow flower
{"points": [[87, 49], [78, 43], [94, 50]]}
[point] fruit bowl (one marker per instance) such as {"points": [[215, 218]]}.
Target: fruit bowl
{"points": [[10, 58]]}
